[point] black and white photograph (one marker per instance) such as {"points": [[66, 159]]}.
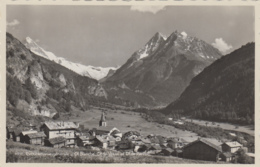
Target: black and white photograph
{"points": [[128, 84]]}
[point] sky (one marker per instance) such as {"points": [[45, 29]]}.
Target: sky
{"points": [[107, 36]]}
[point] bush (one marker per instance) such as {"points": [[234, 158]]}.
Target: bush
{"points": [[243, 158]]}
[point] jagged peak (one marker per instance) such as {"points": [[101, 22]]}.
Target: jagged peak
{"points": [[160, 35]]}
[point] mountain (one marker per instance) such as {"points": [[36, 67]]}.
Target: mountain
{"points": [[37, 86], [89, 71], [223, 91], [160, 71]]}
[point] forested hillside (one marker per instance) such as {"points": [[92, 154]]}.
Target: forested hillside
{"points": [[224, 91]]}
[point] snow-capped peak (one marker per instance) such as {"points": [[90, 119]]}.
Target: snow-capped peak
{"points": [[184, 35], [89, 71]]}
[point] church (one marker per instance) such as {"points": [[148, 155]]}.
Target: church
{"points": [[102, 121]]}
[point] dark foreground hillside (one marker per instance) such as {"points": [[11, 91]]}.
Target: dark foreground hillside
{"points": [[224, 91]]}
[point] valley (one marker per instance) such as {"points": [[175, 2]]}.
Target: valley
{"points": [[167, 99]]}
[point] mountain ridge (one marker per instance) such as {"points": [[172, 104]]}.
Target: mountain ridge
{"points": [[89, 71], [164, 67]]}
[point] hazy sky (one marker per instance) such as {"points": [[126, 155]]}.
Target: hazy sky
{"points": [[108, 36]]}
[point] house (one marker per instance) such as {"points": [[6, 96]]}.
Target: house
{"points": [[60, 129], [13, 134], [142, 148], [111, 142], [167, 151], [227, 156], [131, 135], [23, 133], [101, 142], [177, 152], [85, 140], [56, 142], [155, 149], [35, 138], [123, 145], [176, 142], [202, 149], [232, 146], [145, 140], [9, 133]]}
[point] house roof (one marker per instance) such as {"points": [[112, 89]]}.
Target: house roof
{"points": [[57, 140], [168, 149], [60, 125], [156, 147], [205, 142], [227, 154], [28, 132], [84, 138], [36, 135], [178, 150], [177, 140], [233, 144], [146, 140], [101, 139]]}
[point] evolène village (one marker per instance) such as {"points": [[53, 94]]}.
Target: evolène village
{"points": [[58, 134]]}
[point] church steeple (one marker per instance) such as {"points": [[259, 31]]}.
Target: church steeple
{"points": [[102, 121]]}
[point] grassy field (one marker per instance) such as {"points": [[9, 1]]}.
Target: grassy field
{"points": [[24, 153], [131, 121]]}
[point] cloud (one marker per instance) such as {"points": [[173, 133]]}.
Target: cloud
{"points": [[13, 23], [221, 45], [151, 9]]}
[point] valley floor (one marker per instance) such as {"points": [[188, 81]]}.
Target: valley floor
{"points": [[227, 126], [131, 121]]}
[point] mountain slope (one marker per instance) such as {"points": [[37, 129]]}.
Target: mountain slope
{"points": [[38, 86], [224, 91], [162, 69], [89, 71]]}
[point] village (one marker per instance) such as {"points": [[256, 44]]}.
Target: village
{"points": [[60, 134]]}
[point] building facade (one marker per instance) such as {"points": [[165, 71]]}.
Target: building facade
{"points": [[61, 129], [202, 150]]}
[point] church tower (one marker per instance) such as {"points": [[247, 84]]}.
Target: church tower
{"points": [[102, 121]]}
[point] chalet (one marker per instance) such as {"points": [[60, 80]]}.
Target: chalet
{"points": [[176, 142], [100, 142], [86, 140], [232, 146], [202, 149], [23, 133], [142, 148], [123, 145], [167, 151], [177, 152], [145, 140], [60, 129], [13, 134], [162, 140], [56, 142], [111, 142], [155, 149], [131, 135], [9, 133], [227, 156], [35, 138]]}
